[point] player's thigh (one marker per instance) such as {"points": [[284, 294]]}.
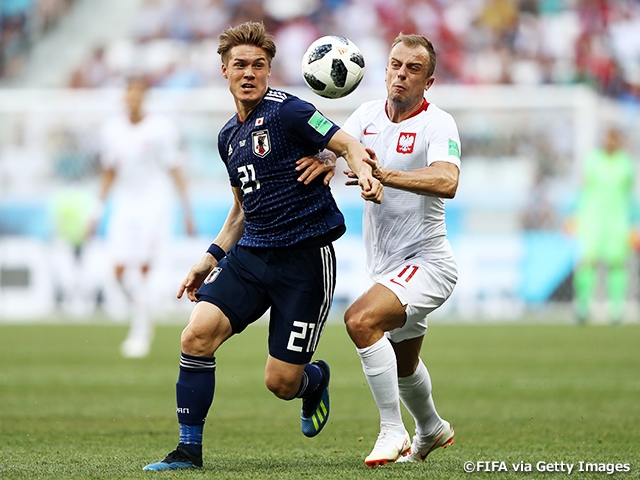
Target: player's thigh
{"points": [[207, 329], [617, 249], [236, 290], [119, 237], [130, 238], [422, 286], [301, 285], [378, 308]]}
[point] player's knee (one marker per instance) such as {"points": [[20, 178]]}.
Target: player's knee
{"points": [[195, 340], [357, 320], [360, 325], [280, 387], [189, 341]]}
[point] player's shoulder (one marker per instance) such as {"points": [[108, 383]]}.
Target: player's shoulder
{"points": [[277, 96], [290, 108], [285, 102], [434, 110]]}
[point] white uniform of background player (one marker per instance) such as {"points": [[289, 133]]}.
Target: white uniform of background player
{"points": [[140, 157], [408, 256]]}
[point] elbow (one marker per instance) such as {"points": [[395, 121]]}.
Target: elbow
{"points": [[450, 188], [450, 192]]}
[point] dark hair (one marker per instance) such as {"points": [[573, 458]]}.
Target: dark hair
{"points": [[413, 40], [248, 33]]}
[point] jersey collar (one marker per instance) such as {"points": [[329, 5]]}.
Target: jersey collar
{"points": [[422, 108]]}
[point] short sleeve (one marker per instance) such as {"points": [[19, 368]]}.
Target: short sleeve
{"points": [[444, 142], [304, 124], [352, 124]]}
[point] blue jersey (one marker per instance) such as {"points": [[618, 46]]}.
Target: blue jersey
{"points": [[261, 153]]}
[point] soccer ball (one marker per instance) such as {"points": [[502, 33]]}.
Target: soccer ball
{"points": [[332, 66]]}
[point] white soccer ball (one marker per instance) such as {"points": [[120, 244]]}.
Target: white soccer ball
{"points": [[332, 66]]}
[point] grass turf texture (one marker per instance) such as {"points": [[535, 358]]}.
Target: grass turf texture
{"points": [[71, 407]]}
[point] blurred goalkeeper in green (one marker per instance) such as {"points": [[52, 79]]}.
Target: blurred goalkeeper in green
{"points": [[604, 226]]}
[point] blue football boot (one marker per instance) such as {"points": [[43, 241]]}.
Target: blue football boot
{"points": [[315, 407]]}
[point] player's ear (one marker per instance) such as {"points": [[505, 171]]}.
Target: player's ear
{"points": [[224, 70], [429, 83]]}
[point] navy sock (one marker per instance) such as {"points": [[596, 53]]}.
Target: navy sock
{"points": [[194, 395], [311, 379]]}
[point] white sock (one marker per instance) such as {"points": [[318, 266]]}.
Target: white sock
{"points": [[141, 327], [415, 392], [380, 367]]}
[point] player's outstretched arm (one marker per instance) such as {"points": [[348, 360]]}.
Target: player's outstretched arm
{"points": [[230, 233], [323, 163], [440, 179], [344, 145]]}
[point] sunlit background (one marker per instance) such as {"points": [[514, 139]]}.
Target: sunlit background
{"points": [[532, 85]]}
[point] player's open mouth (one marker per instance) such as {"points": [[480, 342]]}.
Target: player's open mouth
{"points": [[247, 86]]}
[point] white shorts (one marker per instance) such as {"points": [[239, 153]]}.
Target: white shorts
{"points": [[421, 285], [135, 235]]}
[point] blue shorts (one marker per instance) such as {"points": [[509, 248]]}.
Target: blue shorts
{"points": [[296, 283]]}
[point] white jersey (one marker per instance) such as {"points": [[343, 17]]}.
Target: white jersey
{"points": [[405, 225], [142, 156]]}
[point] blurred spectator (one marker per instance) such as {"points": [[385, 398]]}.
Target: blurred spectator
{"points": [[151, 21], [25, 168], [14, 17], [22, 22], [47, 14], [292, 37], [481, 41], [93, 73]]}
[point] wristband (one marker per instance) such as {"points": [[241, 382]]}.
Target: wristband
{"points": [[217, 251]]}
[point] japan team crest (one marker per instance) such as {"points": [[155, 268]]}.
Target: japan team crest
{"points": [[261, 142], [213, 275], [406, 142]]}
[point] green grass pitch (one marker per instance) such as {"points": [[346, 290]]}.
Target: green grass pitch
{"points": [[72, 408]]}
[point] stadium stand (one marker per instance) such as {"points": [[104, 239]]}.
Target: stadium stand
{"points": [[22, 24], [479, 42]]}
